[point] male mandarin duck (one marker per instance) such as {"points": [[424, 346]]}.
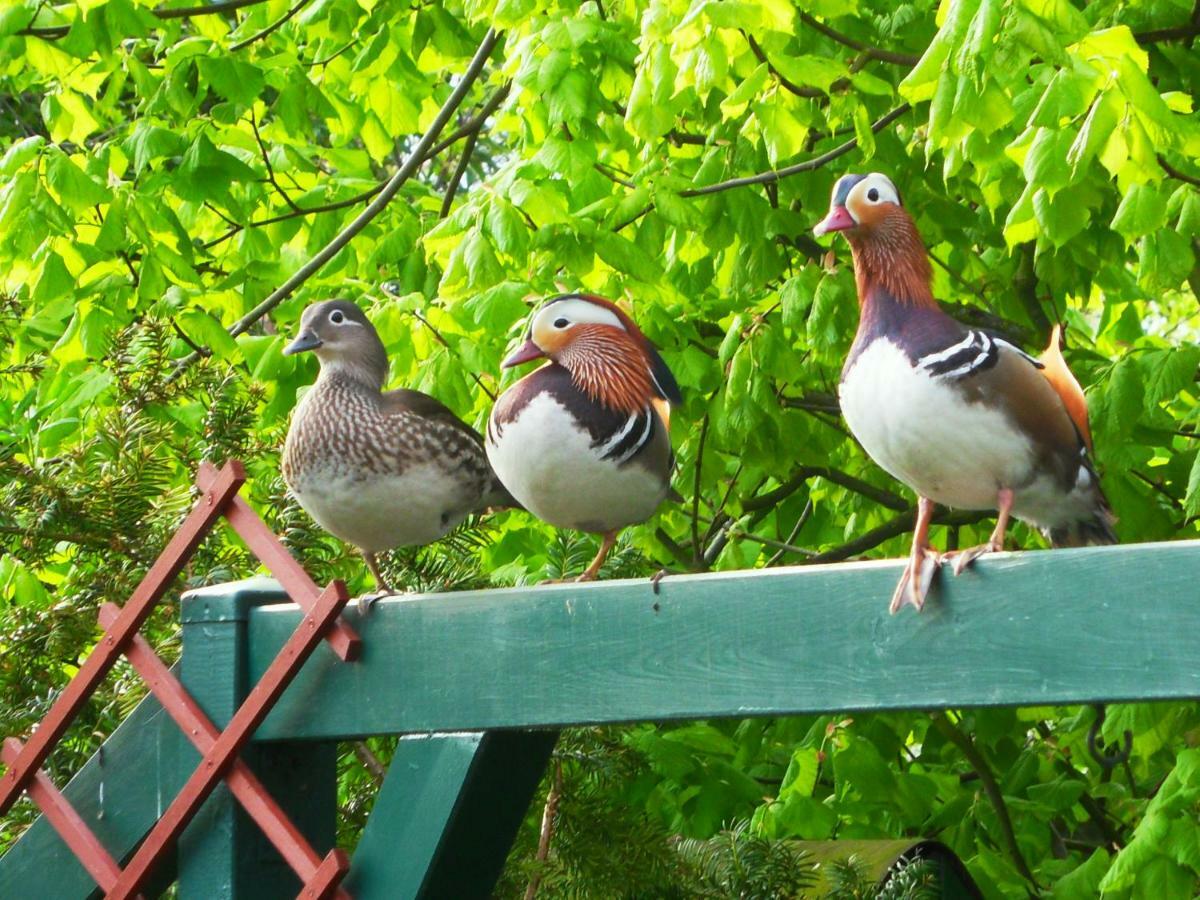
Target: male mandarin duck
{"points": [[964, 418], [583, 441], [377, 469]]}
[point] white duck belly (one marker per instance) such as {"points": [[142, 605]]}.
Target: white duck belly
{"points": [[925, 433], [548, 464], [385, 511]]}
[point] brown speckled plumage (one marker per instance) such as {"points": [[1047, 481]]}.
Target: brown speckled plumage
{"points": [[377, 469]]}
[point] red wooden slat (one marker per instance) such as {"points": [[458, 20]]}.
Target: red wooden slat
{"points": [[134, 613], [250, 792], [324, 883], [68, 823], [241, 727], [287, 571]]}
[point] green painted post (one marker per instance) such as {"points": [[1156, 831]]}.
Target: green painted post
{"points": [[453, 804], [222, 855]]}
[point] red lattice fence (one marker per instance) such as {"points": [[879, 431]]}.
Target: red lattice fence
{"points": [[220, 749]]}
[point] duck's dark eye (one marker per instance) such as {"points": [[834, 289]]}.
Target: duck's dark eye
{"points": [[561, 323], [873, 195], [337, 317]]}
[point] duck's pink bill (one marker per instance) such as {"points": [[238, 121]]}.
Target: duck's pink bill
{"points": [[839, 219], [527, 351]]}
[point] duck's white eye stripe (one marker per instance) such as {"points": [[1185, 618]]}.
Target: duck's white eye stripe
{"points": [[878, 188]]}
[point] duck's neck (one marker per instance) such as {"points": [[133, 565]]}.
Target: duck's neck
{"points": [[352, 374], [891, 261]]}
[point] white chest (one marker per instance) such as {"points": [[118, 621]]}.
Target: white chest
{"points": [[548, 463], [922, 430]]}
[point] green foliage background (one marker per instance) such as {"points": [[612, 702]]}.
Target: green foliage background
{"points": [[163, 171]]}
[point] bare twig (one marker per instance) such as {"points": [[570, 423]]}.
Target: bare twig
{"points": [[390, 189], [272, 28], [788, 85], [806, 166], [549, 812], [459, 171], [781, 546], [468, 128], [196, 348], [880, 495], [1176, 174], [441, 340], [888, 56], [370, 761], [805, 515], [890, 529], [696, 554], [1178, 32], [964, 743], [54, 32], [266, 158]]}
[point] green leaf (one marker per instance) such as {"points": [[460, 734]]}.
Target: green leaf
{"points": [[55, 280], [801, 775], [206, 172], [1102, 120], [626, 256], [795, 299], [822, 329], [75, 188], [649, 115], [20, 153], [149, 142], [205, 331], [750, 87], [1143, 209], [234, 79], [1167, 372]]}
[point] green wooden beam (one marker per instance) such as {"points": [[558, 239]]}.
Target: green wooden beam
{"points": [[1063, 626], [454, 804]]}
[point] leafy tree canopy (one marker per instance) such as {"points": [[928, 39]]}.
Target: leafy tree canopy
{"points": [[177, 183]]}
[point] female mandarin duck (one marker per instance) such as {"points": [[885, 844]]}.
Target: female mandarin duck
{"points": [[583, 441], [377, 469], [964, 418]]}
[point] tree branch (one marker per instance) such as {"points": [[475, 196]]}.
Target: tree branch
{"points": [[1178, 32], [798, 90], [270, 29], [990, 787], [549, 814], [445, 343], [888, 56], [471, 126], [53, 32], [459, 171], [389, 190], [880, 495], [890, 529], [266, 158], [1176, 174], [806, 166]]}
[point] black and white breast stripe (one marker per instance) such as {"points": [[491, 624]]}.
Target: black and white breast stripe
{"points": [[976, 352], [625, 443]]}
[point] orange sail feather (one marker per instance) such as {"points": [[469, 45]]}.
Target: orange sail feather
{"points": [[1065, 385]]}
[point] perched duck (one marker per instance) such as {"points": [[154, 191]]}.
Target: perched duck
{"points": [[377, 469], [964, 418], [583, 441]]}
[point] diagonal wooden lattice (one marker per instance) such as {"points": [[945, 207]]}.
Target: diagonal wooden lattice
{"points": [[219, 749]]}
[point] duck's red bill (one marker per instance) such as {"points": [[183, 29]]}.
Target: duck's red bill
{"points": [[527, 351], [839, 219]]}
